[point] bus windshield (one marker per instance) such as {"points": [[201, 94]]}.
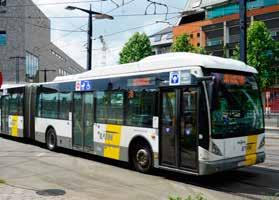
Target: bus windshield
{"points": [[235, 105]]}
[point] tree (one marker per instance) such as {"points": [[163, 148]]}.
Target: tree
{"points": [[137, 47], [261, 53], [182, 44]]}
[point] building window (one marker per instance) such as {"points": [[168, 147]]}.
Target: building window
{"points": [[31, 66], [198, 35], [274, 34], [57, 55], [198, 44], [157, 38], [191, 35], [62, 72], [196, 3], [169, 36], [3, 38], [3, 2], [214, 42]]}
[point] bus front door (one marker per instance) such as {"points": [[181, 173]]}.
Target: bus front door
{"points": [[178, 128], [83, 121]]}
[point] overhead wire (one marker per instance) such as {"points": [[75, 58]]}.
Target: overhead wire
{"points": [[133, 28], [126, 30], [42, 47], [81, 17], [54, 3], [54, 29], [39, 49]]}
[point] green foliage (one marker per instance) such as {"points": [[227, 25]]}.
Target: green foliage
{"points": [[135, 49], [2, 181], [182, 44], [261, 52], [197, 197]]}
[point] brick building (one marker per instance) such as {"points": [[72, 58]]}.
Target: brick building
{"points": [[26, 47], [214, 24]]}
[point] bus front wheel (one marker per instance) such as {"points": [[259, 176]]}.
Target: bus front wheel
{"points": [[51, 139], [142, 158]]}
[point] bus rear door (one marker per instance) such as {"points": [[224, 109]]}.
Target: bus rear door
{"points": [[83, 121]]}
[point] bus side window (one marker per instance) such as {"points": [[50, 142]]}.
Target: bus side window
{"points": [[64, 105], [50, 105], [141, 108], [110, 107]]}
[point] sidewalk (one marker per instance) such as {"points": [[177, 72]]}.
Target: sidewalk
{"points": [[272, 132]]}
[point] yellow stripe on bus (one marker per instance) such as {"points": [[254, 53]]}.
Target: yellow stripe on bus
{"points": [[251, 150], [112, 142], [14, 126]]}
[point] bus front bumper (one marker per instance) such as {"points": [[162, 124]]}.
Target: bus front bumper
{"points": [[211, 167]]}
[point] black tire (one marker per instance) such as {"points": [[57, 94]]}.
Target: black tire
{"points": [[51, 140], [142, 158]]}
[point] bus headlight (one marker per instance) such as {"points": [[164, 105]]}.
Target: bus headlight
{"points": [[262, 143], [215, 149]]}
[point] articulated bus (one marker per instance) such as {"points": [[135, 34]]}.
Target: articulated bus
{"points": [[182, 112]]}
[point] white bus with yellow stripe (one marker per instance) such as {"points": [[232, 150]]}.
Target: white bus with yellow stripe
{"points": [[183, 112]]}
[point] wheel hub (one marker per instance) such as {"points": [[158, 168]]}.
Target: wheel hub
{"points": [[142, 157]]}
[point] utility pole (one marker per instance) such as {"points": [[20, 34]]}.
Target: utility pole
{"points": [[17, 58], [243, 30], [89, 40], [45, 71]]}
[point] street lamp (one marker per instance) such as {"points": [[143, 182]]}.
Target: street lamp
{"points": [[96, 15]]}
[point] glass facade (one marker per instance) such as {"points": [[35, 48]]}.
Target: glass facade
{"points": [[3, 38], [214, 42], [234, 8], [31, 66]]}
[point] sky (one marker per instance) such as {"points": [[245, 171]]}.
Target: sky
{"points": [[129, 17]]}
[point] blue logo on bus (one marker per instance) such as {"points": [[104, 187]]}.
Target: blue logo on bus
{"points": [[174, 78], [85, 85]]}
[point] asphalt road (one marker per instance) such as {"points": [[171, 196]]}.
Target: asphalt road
{"points": [[30, 171]]}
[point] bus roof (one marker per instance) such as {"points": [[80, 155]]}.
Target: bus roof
{"points": [[9, 86], [162, 62]]}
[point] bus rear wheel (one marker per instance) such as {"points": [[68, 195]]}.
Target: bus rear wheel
{"points": [[51, 139], [142, 158]]}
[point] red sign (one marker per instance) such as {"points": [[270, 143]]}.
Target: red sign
{"points": [[234, 79], [141, 81], [1, 79]]}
